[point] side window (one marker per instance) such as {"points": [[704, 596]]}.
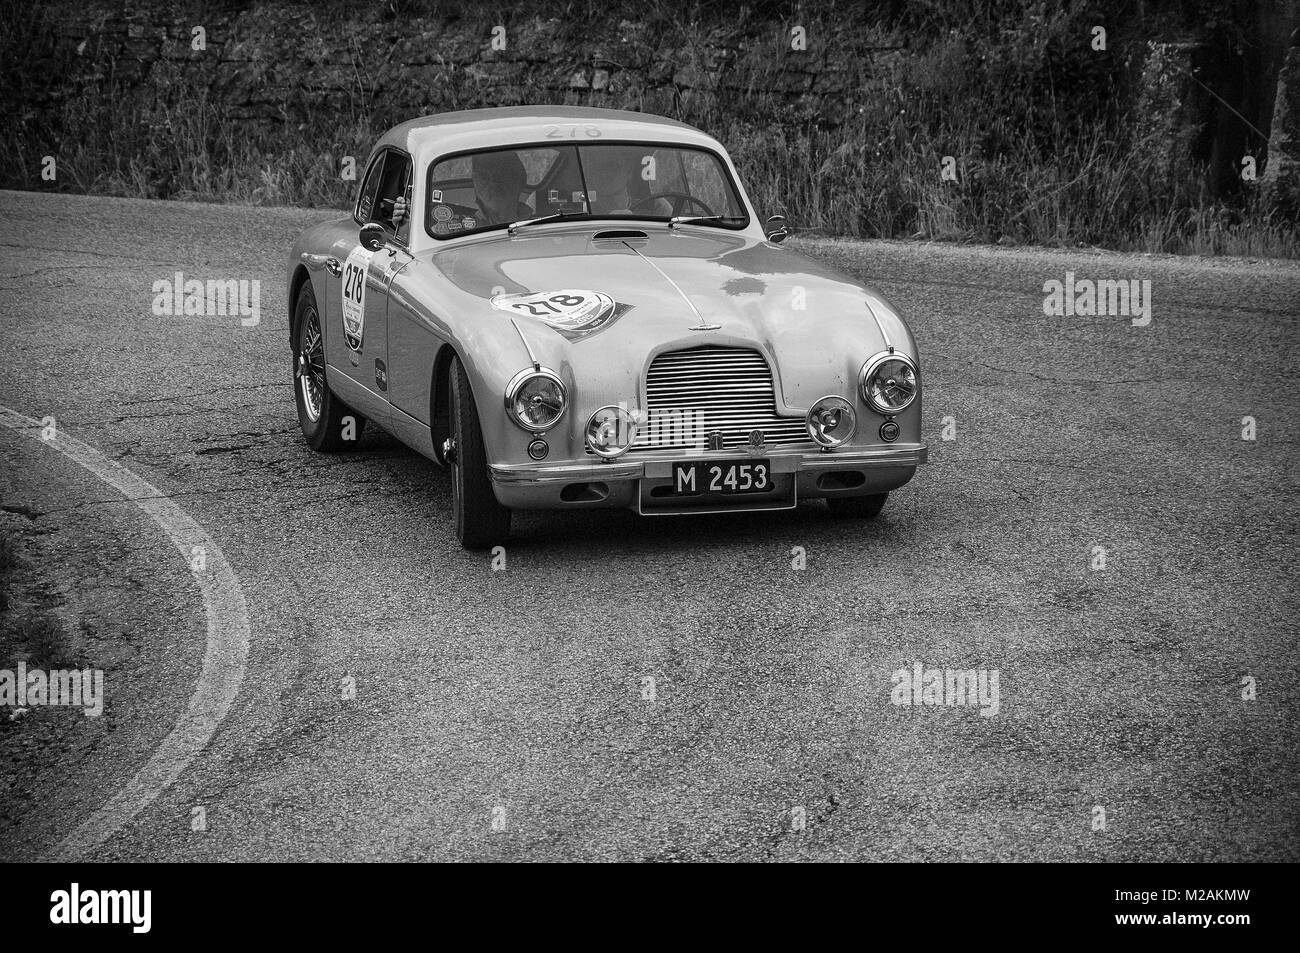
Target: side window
{"points": [[365, 210], [394, 183]]}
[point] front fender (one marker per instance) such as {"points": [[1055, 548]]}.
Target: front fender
{"points": [[307, 260]]}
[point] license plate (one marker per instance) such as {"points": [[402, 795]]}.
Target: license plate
{"points": [[723, 477]]}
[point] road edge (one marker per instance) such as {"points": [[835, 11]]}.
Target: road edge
{"points": [[225, 656]]}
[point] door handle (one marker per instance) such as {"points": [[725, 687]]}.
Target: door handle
{"points": [[333, 267]]}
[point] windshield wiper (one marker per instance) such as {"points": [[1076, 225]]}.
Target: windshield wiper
{"points": [[700, 219], [553, 217]]}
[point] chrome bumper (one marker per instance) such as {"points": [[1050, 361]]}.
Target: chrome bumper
{"points": [[532, 474]]}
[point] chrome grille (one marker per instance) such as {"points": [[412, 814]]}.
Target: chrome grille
{"points": [[694, 392]]}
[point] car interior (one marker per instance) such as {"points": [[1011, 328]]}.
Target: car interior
{"points": [[555, 183]]}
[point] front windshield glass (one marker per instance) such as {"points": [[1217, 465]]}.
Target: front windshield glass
{"points": [[650, 182]]}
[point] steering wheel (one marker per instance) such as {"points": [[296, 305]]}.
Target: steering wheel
{"points": [[680, 201]]}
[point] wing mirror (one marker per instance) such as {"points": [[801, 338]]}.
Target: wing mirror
{"points": [[776, 230], [373, 236]]}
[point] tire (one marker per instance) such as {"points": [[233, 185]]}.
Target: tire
{"points": [[321, 415], [481, 521], [858, 507]]}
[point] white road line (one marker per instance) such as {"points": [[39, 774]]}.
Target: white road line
{"points": [[223, 660]]}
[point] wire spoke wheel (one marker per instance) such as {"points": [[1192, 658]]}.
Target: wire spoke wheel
{"points": [[310, 369]]}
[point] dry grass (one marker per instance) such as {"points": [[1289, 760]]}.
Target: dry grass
{"points": [[10, 559], [1043, 133]]}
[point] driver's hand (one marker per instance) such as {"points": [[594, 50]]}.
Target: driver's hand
{"points": [[400, 208]]}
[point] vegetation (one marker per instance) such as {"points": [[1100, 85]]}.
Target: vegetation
{"points": [[1051, 141]]}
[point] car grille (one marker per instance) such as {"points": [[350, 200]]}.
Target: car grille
{"points": [[693, 392]]}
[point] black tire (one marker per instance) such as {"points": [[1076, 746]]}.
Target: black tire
{"points": [[322, 416], [858, 507], [481, 521]]}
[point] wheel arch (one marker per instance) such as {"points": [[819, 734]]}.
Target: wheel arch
{"points": [[300, 277], [440, 400]]}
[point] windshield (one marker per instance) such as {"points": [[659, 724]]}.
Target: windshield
{"points": [[645, 181]]}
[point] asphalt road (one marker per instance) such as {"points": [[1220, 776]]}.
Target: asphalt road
{"points": [[514, 699]]}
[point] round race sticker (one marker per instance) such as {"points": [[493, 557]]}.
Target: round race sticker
{"points": [[442, 213], [569, 309]]}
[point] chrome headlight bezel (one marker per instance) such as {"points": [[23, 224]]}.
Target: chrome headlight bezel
{"points": [[516, 384], [846, 407], [629, 420], [867, 376]]}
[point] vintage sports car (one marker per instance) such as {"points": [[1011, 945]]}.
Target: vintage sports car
{"points": [[579, 308]]}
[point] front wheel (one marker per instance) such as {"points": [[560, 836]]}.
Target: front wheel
{"points": [[859, 507], [327, 423], [481, 520]]}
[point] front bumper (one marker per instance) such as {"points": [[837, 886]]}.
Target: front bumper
{"points": [[619, 482]]}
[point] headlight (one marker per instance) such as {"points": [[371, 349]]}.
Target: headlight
{"points": [[889, 382], [831, 421], [535, 400], [610, 431]]}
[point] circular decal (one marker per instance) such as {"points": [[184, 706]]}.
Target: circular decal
{"points": [[572, 311], [442, 213], [468, 222], [441, 228]]}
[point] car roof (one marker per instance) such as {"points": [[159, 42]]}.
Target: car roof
{"points": [[450, 132]]}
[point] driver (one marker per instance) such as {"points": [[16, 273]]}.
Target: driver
{"points": [[609, 171], [498, 177]]}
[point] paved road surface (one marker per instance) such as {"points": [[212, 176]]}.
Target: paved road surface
{"points": [[516, 696]]}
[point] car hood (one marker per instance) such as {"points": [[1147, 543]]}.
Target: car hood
{"points": [[672, 289]]}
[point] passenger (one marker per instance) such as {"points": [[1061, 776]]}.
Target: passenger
{"points": [[610, 172]]}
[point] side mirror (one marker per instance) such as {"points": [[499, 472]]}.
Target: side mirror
{"points": [[776, 230], [373, 236]]}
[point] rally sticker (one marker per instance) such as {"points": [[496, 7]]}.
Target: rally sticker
{"points": [[354, 296], [571, 311], [442, 213]]}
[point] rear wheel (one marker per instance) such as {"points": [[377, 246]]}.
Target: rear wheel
{"points": [[859, 507], [481, 521], [327, 423]]}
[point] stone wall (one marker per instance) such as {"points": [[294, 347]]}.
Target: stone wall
{"points": [[1281, 180], [336, 74], [277, 62]]}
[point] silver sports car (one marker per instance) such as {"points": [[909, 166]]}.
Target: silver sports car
{"points": [[579, 308]]}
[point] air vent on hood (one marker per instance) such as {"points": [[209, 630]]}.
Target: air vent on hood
{"points": [[618, 235]]}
